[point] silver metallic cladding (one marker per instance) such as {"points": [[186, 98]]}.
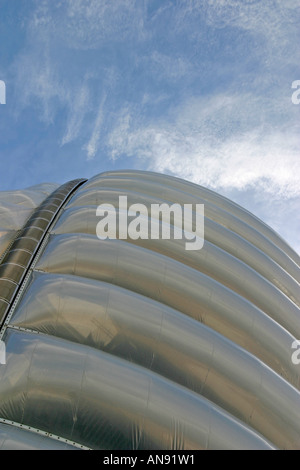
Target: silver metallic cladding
{"points": [[136, 408], [176, 285], [262, 237], [198, 192], [163, 340], [132, 345], [212, 260], [14, 436]]}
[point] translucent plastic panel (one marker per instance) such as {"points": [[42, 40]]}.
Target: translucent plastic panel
{"points": [[175, 285], [16, 207], [13, 438], [169, 184], [163, 340], [12, 217], [218, 208], [6, 236], [102, 401], [210, 259], [214, 233], [145, 345]]}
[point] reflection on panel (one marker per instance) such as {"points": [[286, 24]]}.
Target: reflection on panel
{"points": [[177, 286], [86, 201], [15, 209], [15, 438], [140, 343], [107, 402], [217, 207], [163, 340], [212, 260]]}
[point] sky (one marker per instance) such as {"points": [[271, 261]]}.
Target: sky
{"points": [[200, 89]]}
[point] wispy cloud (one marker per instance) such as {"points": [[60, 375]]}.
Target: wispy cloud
{"points": [[78, 107], [38, 83], [223, 142], [199, 89], [92, 145], [89, 24], [168, 67]]}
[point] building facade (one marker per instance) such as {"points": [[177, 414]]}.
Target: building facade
{"points": [[140, 343]]}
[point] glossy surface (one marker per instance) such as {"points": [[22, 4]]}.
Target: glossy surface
{"points": [[16, 262], [16, 207], [14, 438], [107, 402], [161, 339], [141, 344]]}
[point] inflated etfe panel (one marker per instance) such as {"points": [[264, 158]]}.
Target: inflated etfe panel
{"points": [[143, 344]]}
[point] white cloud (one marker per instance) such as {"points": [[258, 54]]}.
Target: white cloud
{"points": [[171, 67], [272, 27], [235, 139], [92, 145], [37, 81], [226, 141], [78, 106], [269, 17], [88, 24], [152, 62]]}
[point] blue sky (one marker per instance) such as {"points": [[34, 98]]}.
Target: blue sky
{"points": [[199, 89]]}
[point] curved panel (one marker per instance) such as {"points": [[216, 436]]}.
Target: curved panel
{"points": [[13, 438], [208, 195], [143, 344], [215, 233], [211, 260], [142, 413], [152, 188], [15, 209], [175, 285], [163, 340], [16, 261]]}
